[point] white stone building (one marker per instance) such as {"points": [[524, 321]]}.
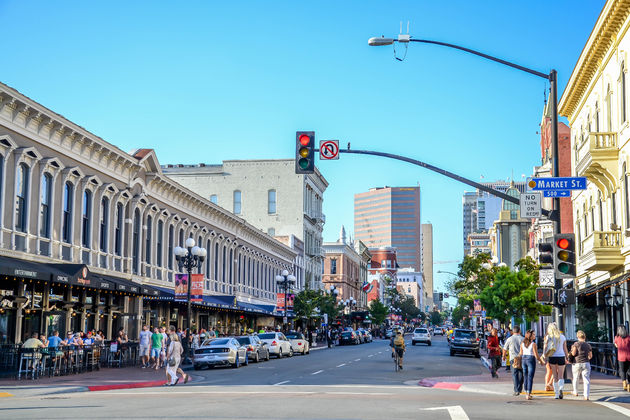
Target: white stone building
{"points": [[411, 283], [269, 195]]}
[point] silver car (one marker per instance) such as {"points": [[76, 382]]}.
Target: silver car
{"points": [[257, 349], [220, 352]]}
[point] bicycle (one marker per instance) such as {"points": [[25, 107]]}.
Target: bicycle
{"points": [[396, 361]]}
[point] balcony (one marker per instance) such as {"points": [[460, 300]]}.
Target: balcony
{"points": [[601, 251], [597, 159]]}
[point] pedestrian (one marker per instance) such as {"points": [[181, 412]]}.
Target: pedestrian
{"points": [[156, 348], [622, 343], [145, 345], [494, 352], [582, 353], [512, 347], [179, 369], [555, 353], [164, 346], [173, 359], [529, 355]]}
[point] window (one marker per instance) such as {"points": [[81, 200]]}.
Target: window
{"points": [[181, 238], [609, 109], [271, 232], [216, 261], [224, 266], [170, 254], [136, 242], [44, 223], [119, 229], [626, 195], [86, 218], [21, 198], [623, 92], [333, 266], [158, 243], [271, 201], [1, 182], [613, 207], [231, 262], [209, 250], [68, 193], [237, 202], [601, 211], [104, 223], [213, 199], [596, 117], [147, 241]]}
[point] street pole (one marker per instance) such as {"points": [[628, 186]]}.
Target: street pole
{"points": [[188, 258], [284, 279]]}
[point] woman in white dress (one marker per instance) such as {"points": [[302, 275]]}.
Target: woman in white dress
{"points": [[173, 359]]}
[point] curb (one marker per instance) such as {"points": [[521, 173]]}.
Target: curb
{"points": [[126, 386]]}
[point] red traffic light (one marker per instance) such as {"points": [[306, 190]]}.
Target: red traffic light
{"points": [[563, 243], [304, 140]]}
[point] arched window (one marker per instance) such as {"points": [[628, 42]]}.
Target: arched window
{"points": [[135, 261], [181, 238], [86, 218], [248, 279], [104, 225], [170, 255], [613, 207], [237, 202], [21, 198], [609, 119], [199, 244], [158, 243], [44, 212], [120, 214], [622, 82], [216, 261], [209, 251], [68, 193], [224, 267], [147, 240], [231, 262], [271, 201]]}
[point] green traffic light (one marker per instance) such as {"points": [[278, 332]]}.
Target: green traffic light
{"points": [[563, 268], [303, 163]]}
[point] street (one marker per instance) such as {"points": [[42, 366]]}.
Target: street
{"points": [[348, 382]]}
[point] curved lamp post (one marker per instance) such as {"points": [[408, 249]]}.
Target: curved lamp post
{"points": [[188, 258], [285, 280]]}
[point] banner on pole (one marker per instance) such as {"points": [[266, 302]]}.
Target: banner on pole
{"points": [[280, 301], [181, 287], [196, 288]]}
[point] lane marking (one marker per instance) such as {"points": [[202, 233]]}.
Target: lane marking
{"points": [[614, 407], [315, 373], [280, 383], [455, 411], [343, 364], [356, 360], [370, 355]]}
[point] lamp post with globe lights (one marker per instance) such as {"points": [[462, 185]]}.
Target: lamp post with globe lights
{"points": [[285, 280], [188, 258]]}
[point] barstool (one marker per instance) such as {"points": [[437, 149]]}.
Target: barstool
{"points": [[28, 363]]}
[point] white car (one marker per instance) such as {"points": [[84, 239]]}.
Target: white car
{"points": [[421, 335], [438, 331], [299, 344], [277, 343]]}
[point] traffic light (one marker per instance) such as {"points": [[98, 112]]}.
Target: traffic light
{"points": [[304, 152], [564, 255], [545, 253], [441, 296], [544, 295]]}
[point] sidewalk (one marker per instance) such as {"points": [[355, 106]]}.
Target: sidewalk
{"points": [[603, 387], [104, 379]]}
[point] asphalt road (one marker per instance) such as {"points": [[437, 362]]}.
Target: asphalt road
{"points": [[353, 382]]}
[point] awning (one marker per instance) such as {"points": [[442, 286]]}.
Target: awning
{"points": [[222, 301], [594, 288], [25, 269], [124, 285], [250, 307]]}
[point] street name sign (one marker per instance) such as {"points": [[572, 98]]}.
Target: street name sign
{"points": [[557, 193], [546, 277], [531, 205], [560, 183], [329, 149]]}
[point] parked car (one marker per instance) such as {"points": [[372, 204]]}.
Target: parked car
{"points": [[257, 349], [367, 337], [389, 333], [464, 341], [277, 344], [299, 343], [421, 335], [349, 337], [220, 352]]}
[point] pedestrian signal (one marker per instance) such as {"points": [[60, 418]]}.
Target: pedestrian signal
{"points": [[544, 295]]}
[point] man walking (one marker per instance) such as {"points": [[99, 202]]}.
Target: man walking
{"points": [[156, 348], [512, 347], [494, 352], [145, 345]]}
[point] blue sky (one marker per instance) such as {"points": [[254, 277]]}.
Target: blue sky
{"points": [[204, 81]]}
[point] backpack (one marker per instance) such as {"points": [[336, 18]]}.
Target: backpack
{"points": [[399, 341]]}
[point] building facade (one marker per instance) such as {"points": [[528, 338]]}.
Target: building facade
{"points": [[411, 283], [269, 195], [427, 260], [510, 233], [87, 234], [595, 101], [390, 217], [382, 272]]}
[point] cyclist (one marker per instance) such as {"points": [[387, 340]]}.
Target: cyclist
{"points": [[398, 345]]}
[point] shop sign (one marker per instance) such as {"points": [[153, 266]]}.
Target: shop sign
{"points": [[25, 273], [124, 287], [82, 277], [105, 285], [61, 279]]}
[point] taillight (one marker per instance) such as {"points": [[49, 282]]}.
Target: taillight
{"points": [[299, 344], [274, 343], [250, 348]]}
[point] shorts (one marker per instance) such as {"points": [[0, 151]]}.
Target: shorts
{"points": [[400, 352], [155, 353], [144, 350], [557, 361]]}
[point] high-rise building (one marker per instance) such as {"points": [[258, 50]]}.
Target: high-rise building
{"points": [[390, 217], [427, 260]]}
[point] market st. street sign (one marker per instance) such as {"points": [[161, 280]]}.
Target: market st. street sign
{"points": [[560, 183]]}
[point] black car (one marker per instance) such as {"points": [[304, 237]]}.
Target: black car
{"points": [[464, 341], [349, 337]]}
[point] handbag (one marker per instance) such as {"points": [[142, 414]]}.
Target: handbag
{"points": [[550, 348], [172, 361], [517, 362]]}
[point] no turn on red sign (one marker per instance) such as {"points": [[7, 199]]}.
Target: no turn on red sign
{"points": [[329, 149]]}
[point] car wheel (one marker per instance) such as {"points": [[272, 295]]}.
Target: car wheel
{"points": [[280, 353], [291, 352], [477, 355], [236, 364], [196, 367], [413, 343], [304, 351], [268, 356], [429, 343], [257, 357], [246, 360], [452, 353]]}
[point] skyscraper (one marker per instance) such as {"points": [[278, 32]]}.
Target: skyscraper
{"points": [[427, 259], [390, 217]]}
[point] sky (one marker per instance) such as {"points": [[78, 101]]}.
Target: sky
{"points": [[206, 81]]}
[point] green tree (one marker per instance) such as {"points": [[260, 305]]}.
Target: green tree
{"points": [[305, 303], [589, 323], [474, 275], [327, 304], [408, 308], [378, 312], [436, 318]]}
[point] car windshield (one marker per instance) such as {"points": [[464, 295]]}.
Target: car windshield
{"points": [[293, 336], [220, 341], [465, 334], [346, 334], [243, 340], [267, 336], [421, 330]]}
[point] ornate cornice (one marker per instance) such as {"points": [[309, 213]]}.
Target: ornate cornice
{"points": [[602, 38]]}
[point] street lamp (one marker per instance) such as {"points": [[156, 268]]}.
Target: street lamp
{"points": [[284, 280], [188, 258], [447, 272]]}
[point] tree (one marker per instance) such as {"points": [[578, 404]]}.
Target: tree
{"points": [[378, 312], [474, 275], [436, 318], [305, 303], [408, 308], [327, 304], [590, 324]]}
